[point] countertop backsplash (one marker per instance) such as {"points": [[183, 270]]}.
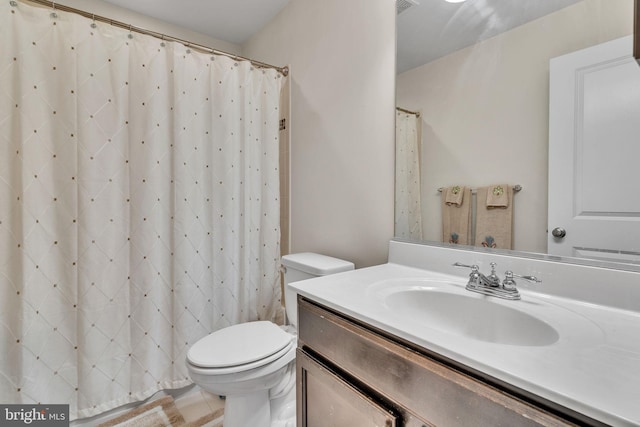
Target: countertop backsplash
{"points": [[598, 285]]}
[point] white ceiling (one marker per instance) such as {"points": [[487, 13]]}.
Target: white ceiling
{"points": [[434, 28], [426, 32]]}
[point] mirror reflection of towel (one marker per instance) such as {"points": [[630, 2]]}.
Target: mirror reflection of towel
{"points": [[497, 196], [456, 219], [494, 224], [454, 195]]}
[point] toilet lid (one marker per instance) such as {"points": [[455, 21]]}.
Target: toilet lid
{"points": [[238, 345]]}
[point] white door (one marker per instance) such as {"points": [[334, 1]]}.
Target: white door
{"points": [[594, 153]]}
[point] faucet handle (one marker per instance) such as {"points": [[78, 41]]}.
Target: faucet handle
{"points": [[474, 276], [533, 279], [474, 268], [510, 284]]}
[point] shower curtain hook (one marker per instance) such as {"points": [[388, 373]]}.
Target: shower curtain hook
{"points": [[130, 35], [93, 18], [188, 47], [162, 42], [53, 14]]}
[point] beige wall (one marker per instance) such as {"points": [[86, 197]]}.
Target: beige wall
{"points": [[485, 110], [342, 58]]}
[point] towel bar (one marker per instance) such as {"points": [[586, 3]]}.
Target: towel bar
{"points": [[516, 188]]}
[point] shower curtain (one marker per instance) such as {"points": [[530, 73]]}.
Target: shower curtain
{"points": [[139, 207], [408, 212]]}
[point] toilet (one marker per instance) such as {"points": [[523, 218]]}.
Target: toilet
{"points": [[253, 364]]}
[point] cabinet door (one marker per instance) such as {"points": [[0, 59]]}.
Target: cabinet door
{"points": [[326, 400]]}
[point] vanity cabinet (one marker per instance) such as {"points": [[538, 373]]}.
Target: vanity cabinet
{"points": [[349, 374]]}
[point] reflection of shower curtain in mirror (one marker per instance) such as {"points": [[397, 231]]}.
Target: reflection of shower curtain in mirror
{"points": [[408, 219]]}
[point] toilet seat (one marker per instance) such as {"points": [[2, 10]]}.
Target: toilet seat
{"points": [[246, 346]]}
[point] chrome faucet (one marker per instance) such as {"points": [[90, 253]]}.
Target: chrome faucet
{"points": [[491, 285]]}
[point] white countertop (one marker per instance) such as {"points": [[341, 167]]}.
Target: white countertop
{"points": [[593, 368]]}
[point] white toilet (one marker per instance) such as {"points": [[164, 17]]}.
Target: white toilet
{"points": [[253, 364]]}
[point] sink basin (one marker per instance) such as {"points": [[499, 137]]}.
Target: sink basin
{"points": [[474, 316]]}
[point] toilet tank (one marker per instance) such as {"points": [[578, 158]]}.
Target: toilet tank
{"points": [[307, 265]]}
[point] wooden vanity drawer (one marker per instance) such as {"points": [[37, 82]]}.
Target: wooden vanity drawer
{"points": [[423, 386]]}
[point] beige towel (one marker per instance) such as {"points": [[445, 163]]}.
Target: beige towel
{"points": [[454, 195], [498, 196], [456, 219], [494, 225]]}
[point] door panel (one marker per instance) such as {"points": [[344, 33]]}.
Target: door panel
{"points": [[594, 147]]}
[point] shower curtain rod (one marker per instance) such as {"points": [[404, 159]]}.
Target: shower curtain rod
{"points": [[54, 6], [417, 114]]}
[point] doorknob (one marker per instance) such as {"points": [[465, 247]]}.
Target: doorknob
{"points": [[559, 232]]}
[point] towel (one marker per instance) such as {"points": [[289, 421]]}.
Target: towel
{"points": [[498, 196], [494, 225], [456, 219], [454, 195]]}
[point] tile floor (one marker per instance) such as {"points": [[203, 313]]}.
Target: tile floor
{"points": [[192, 402], [198, 403]]}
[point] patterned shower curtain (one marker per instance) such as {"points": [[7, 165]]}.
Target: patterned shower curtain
{"points": [[408, 212], [139, 207]]}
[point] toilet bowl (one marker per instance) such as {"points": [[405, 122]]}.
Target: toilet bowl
{"points": [[253, 364]]}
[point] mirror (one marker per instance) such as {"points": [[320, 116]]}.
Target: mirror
{"points": [[478, 74], [636, 31]]}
